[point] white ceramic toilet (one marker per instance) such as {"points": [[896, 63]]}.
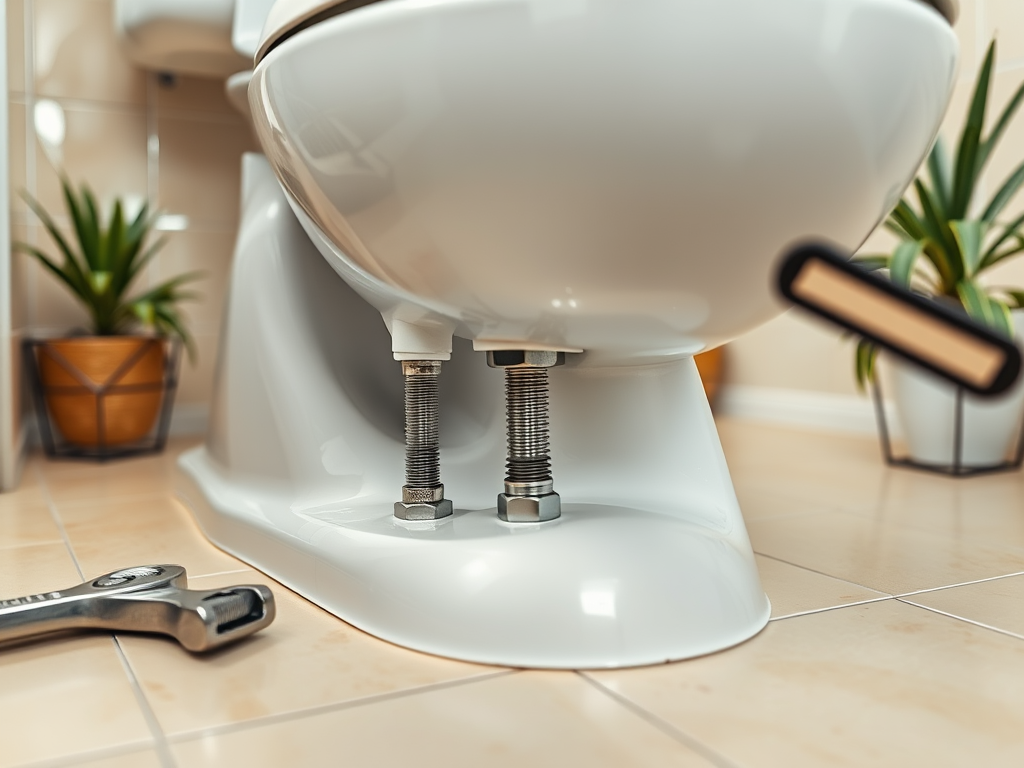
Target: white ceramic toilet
{"points": [[602, 183]]}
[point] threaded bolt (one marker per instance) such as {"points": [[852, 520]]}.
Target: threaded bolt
{"points": [[529, 488], [423, 493], [526, 408]]}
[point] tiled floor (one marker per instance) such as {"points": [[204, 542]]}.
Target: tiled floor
{"points": [[897, 640]]}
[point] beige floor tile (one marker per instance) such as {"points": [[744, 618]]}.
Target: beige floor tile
{"points": [[985, 510], [997, 603], [40, 568], [27, 524], [879, 555], [86, 482], [306, 658], [529, 718], [884, 684], [774, 469], [758, 501], [146, 758], [121, 533], [63, 696], [795, 590]]}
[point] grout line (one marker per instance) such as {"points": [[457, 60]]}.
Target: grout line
{"points": [[227, 573], [1006, 632], [961, 584], [665, 727], [301, 714], [52, 507], [832, 608], [163, 751], [822, 573], [90, 755]]}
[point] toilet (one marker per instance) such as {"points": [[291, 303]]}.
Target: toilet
{"points": [[496, 232]]}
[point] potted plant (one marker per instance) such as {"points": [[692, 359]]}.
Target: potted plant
{"points": [[947, 242], [106, 387]]}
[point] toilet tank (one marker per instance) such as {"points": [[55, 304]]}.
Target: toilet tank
{"points": [[192, 37]]}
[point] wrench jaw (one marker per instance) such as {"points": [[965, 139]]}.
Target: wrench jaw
{"points": [[208, 620]]}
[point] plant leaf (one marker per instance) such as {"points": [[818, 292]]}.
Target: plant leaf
{"points": [[1005, 194], [1000, 127], [100, 281], [969, 235], [943, 250], [1016, 298], [72, 266], [901, 266], [1011, 229], [864, 363], [967, 166], [871, 262], [992, 312], [906, 219], [938, 169]]}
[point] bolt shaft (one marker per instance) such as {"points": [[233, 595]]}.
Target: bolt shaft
{"points": [[422, 440], [526, 403], [422, 495]]}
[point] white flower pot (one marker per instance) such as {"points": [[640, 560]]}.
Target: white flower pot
{"points": [[926, 406]]}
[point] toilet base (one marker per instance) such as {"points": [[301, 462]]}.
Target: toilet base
{"points": [[603, 586], [303, 463]]}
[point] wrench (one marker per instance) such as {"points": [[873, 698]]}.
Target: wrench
{"points": [[147, 598]]}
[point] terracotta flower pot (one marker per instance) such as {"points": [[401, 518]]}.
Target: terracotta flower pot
{"points": [[103, 390], [709, 365]]}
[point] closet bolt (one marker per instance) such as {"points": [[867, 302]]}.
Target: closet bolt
{"points": [[529, 495], [423, 494]]}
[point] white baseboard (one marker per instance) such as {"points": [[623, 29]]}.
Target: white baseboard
{"points": [[805, 409]]}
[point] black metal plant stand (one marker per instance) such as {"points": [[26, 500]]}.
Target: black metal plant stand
{"points": [[55, 445], [954, 469]]}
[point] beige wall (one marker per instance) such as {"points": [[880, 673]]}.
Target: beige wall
{"points": [[126, 135], [795, 353]]}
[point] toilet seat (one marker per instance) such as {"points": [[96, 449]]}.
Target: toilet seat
{"points": [[288, 17]]}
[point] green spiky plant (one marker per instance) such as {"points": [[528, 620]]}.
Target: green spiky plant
{"points": [[102, 260], [957, 245]]}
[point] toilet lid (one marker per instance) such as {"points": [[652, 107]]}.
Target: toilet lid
{"points": [[287, 17]]}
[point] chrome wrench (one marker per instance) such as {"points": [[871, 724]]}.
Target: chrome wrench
{"points": [[148, 598]]}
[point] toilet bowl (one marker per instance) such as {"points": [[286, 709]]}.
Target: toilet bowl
{"points": [[599, 181], [592, 174]]}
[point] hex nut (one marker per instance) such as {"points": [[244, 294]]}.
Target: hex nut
{"points": [[529, 509], [530, 358], [424, 510]]}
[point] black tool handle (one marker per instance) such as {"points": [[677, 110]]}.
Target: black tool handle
{"points": [[947, 342]]}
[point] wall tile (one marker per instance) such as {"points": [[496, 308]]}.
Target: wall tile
{"points": [[103, 148], [21, 276], [967, 33], [77, 54], [207, 252], [200, 167], [56, 310], [17, 154], [16, 46], [1005, 20], [197, 378], [189, 95]]}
